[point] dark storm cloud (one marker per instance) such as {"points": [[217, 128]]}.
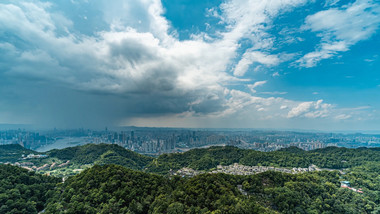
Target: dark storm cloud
{"points": [[72, 81], [100, 63], [48, 105], [131, 51]]}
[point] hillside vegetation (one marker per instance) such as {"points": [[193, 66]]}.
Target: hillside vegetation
{"points": [[101, 154], [122, 181], [198, 159], [13, 152], [204, 159], [115, 189], [22, 191]]}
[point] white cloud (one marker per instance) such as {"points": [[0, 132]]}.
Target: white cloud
{"points": [[124, 56], [255, 56], [121, 59], [343, 117], [357, 108], [340, 28], [251, 20], [310, 110], [256, 84], [151, 69], [252, 111], [274, 92], [259, 83], [372, 59], [330, 3], [146, 70], [239, 102]]}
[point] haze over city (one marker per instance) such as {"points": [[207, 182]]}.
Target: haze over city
{"points": [[291, 64]]}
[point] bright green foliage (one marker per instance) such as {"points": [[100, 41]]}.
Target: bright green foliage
{"points": [[316, 192], [115, 189], [22, 191], [107, 189], [367, 177]]}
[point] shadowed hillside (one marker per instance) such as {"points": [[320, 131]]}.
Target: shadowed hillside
{"points": [[101, 154], [13, 152]]}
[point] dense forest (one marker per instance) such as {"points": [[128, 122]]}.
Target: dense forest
{"points": [[122, 181], [204, 159], [22, 191], [115, 189]]}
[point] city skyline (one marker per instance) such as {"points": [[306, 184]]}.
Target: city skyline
{"points": [[171, 140], [292, 64]]}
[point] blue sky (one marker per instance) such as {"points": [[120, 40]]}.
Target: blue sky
{"points": [[290, 64]]}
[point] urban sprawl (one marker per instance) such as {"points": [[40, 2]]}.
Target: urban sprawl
{"points": [[160, 140]]}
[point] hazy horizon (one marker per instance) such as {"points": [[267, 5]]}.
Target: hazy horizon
{"points": [[29, 127]]}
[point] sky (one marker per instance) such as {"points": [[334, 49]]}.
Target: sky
{"points": [[274, 64]]}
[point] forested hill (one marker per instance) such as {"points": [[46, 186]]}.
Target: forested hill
{"points": [[200, 159], [101, 154], [110, 188], [13, 152], [203, 159], [115, 189], [22, 191]]}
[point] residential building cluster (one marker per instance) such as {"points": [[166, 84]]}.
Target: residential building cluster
{"points": [[237, 169], [31, 167], [32, 156], [347, 185]]}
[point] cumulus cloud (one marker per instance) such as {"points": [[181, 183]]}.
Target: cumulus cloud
{"points": [[119, 61], [125, 64], [251, 57], [254, 111], [310, 110], [340, 28], [136, 59], [151, 72]]}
